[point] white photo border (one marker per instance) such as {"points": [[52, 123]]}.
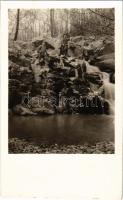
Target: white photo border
{"points": [[73, 176]]}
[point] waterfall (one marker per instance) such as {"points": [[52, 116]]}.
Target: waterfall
{"points": [[109, 88], [106, 77], [91, 68], [36, 71], [109, 91]]}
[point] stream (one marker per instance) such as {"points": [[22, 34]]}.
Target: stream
{"points": [[63, 129], [68, 129]]}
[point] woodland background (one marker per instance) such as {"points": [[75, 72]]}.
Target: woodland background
{"points": [[27, 24]]}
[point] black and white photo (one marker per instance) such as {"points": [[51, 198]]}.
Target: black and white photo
{"points": [[61, 80]]}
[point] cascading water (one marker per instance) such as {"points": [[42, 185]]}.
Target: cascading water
{"points": [[109, 91], [91, 69], [106, 77], [36, 71], [109, 88]]}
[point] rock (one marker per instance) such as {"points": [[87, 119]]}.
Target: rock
{"points": [[107, 65], [25, 70], [42, 105], [14, 82], [37, 42], [106, 108], [108, 48], [20, 110], [13, 55], [106, 56], [94, 78], [70, 76], [23, 61], [43, 111], [112, 77], [76, 38], [19, 57]]}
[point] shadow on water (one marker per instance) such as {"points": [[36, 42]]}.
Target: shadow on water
{"points": [[63, 129]]}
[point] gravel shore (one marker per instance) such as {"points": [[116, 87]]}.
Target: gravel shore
{"points": [[22, 146]]}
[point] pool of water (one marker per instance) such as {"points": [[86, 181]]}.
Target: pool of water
{"points": [[63, 129]]}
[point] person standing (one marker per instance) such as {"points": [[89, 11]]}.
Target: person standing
{"points": [[64, 44]]}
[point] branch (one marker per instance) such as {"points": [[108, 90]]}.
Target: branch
{"points": [[101, 15]]}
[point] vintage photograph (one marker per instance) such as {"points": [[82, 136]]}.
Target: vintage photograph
{"points": [[61, 65]]}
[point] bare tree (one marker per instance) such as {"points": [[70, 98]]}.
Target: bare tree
{"points": [[66, 21], [52, 24], [17, 25], [30, 23]]}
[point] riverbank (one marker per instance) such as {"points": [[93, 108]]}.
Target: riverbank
{"points": [[22, 146]]}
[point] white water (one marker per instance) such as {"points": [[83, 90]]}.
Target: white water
{"points": [[106, 77], [109, 88], [91, 68], [38, 70], [109, 91]]}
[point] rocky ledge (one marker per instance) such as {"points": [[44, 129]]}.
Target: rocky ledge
{"points": [[57, 77]]}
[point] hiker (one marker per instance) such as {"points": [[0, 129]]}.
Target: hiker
{"points": [[61, 62], [82, 70], [85, 51], [88, 51], [42, 54], [64, 44]]}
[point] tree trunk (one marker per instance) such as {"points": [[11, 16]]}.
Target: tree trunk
{"points": [[17, 25], [52, 22], [66, 21]]}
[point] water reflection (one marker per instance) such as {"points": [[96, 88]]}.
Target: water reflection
{"points": [[63, 129]]}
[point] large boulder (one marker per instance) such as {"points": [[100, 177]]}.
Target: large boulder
{"points": [[108, 48], [107, 65], [21, 110], [94, 78], [42, 105], [38, 41], [76, 38], [106, 56]]}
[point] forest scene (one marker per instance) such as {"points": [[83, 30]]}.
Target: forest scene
{"points": [[61, 65]]}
